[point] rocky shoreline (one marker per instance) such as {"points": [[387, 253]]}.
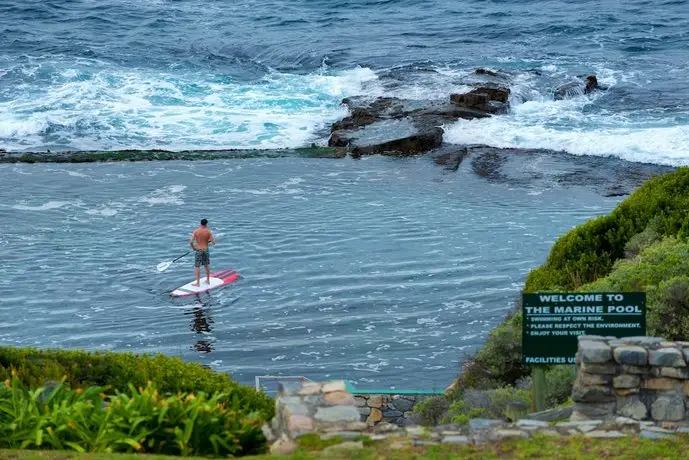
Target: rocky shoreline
{"points": [[410, 128]]}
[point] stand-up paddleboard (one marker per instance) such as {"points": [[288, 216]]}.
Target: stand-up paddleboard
{"points": [[218, 280]]}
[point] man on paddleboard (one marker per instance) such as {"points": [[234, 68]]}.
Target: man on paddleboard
{"points": [[202, 236]]}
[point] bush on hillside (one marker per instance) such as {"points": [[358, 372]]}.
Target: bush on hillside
{"points": [[118, 370], [662, 270], [430, 411], [669, 315], [499, 361], [485, 404], [641, 241], [588, 252], [140, 421], [559, 380], [583, 258]]}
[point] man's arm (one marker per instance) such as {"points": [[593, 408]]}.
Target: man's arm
{"points": [[191, 240], [212, 238]]}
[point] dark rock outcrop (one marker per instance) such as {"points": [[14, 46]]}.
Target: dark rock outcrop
{"points": [[577, 88], [399, 127], [539, 168], [492, 99], [450, 156]]}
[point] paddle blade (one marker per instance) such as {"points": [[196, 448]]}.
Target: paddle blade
{"points": [[163, 266]]}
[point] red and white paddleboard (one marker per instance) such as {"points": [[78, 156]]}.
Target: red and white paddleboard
{"points": [[218, 280]]}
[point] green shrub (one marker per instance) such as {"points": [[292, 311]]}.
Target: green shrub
{"points": [[118, 370], [591, 258], [486, 403], [139, 421], [430, 411], [668, 316], [641, 241], [662, 270], [588, 252], [498, 363], [558, 384]]}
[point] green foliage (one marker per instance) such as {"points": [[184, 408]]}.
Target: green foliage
{"points": [[650, 228], [313, 441], [662, 270], [588, 252], [499, 361], [558, 384], [641, 241], [430, 411], [118, 370], [493, 405], [669, 313], [140, 421]]}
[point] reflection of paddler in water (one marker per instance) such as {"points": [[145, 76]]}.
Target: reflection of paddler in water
{"points": [[201, 323], [201, 237]]}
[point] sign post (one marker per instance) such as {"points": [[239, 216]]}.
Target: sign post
{"points": [[553, 321]]}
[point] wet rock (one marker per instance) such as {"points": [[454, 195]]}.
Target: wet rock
{"points": [[577, 88], [491, 99], [397, 127]]}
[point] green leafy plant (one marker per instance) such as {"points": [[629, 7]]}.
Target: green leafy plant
{"points": [[141, 420], [429, 411], [117, 371]]}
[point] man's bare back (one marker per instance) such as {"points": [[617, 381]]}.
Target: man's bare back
{"points": [[202, 236]]}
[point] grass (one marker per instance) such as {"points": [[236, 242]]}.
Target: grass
{"points": [[576, 447]]}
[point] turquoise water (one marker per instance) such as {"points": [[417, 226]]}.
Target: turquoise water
{"points": [[381, 271], [196, 74]]}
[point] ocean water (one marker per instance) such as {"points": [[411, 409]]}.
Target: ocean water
{"points": [[386, 272], [193, 74], [383, 271]]}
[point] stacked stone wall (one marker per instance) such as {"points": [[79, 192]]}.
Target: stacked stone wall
{"points": [[643, 378], [391, 408]]}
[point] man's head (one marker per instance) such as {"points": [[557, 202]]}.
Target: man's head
{"points": [[204, 222]]}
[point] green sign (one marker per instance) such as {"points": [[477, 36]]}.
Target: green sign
{"points": [[553, 321]]}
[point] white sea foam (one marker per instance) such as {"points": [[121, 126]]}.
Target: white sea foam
{"points": [[537, 121], [119, 109], [50, 205], [165, 195]]}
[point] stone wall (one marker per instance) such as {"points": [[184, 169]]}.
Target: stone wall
{"points": [[331, 412], [313, 407], [643, 378], [392, 408]]}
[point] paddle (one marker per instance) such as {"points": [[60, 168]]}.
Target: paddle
{"points": [[165, 265]]}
